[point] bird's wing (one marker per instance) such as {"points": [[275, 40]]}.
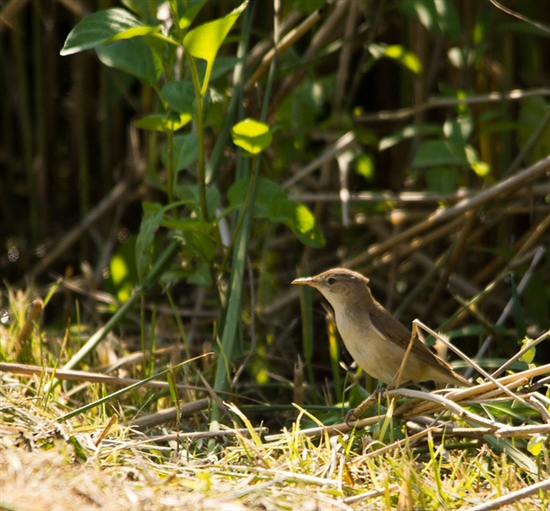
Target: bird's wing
{"points": [[392, 329]]}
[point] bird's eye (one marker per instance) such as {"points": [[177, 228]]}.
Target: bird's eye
{"points": [[331, 281]]}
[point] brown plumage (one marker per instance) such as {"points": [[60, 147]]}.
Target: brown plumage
{"points": [[373, 337]]}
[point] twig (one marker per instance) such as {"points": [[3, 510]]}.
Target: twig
{"points": [[520, 353], [340, 145], [504, 187], [447, 404], [72, 375], [287, 41], [478, 368], [170, 414], [437, 102], [519, 16], [203, 434], [512, 497], [392, 488]]}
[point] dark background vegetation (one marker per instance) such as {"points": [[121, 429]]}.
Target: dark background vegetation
{"points": [[67, 139]]}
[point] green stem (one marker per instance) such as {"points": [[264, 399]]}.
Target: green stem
{"points": [[170, 169], [200, 134], [244, 210]]}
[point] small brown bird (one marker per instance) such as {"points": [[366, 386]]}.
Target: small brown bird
{"points": [[373, 337]]}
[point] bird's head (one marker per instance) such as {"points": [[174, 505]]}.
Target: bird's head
{"points": [[341, 287]]}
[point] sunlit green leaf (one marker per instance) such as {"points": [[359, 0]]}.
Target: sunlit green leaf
{"points": [[163, 122], [398, 53], [481, 168], [299, 219], [253, 136], [364, 165], [130, 33], [97, 28], [529, 355], [122, 277], [536, 444], [204, 41], [272, 203], [119, 273]]}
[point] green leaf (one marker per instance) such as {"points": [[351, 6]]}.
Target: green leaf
{"points": [[442, 179], [201, 276], [364, 166], [433, 153], [299, 111], [152, 216], [398, 53], [529, 355], [204, 41], [438, 16], [130, 33], [190, 14], [97, 28], [185, 149], [299, 219], [458, 130], [536, 444], [266, 191], [186, 224], [481, 168], [179, 95], [140, 7], [132, 56], [196, 244], [190, 195], [79, 452], [271, 202], [253, 136], [163, 122], [122, 270]]}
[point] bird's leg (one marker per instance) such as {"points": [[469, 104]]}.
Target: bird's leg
{"points": [[354, 414]]}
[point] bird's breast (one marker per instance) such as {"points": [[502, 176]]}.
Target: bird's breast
{"points": [[375, 354]]}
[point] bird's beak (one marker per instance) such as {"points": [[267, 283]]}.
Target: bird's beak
{"points": [[304, 281]]}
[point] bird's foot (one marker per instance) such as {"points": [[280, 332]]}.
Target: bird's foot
{"points": [[350, 417], [354, 414]]}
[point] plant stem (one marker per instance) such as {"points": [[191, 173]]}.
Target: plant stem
{"points": [[200, 134]]}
